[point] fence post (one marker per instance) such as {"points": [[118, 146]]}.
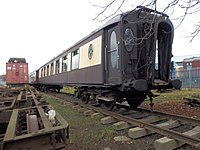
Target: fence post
{"points": [[190, 84]]}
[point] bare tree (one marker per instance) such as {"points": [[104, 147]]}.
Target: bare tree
{"points": [[178, 10]]}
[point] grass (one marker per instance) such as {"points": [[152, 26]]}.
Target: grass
{"points": [[67, 89], [175, 95], [85, 132]]}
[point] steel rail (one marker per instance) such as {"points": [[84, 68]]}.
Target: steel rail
{"points": [[160, 130], [163, 131], [172, 116], [164, 114]]}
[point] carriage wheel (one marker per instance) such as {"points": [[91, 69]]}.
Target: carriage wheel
{"points": [[85, 98], [108, 105]]}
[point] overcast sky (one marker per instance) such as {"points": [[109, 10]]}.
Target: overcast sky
{"points": [[38, 30]]}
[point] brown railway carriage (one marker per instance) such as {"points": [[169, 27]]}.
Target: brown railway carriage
{"points": [[16, 71], [117, 61], [77, 67]]}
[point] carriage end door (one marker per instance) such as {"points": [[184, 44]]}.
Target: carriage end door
{"points": [[112, 56]]}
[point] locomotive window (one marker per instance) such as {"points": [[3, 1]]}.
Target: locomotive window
{"points": [[128, 39], [75, 59], [57, 66], [64, 64], [114, 50]]}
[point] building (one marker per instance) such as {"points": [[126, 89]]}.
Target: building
{"points": [[190, 63]]}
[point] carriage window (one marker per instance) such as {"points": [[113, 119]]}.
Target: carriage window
{"points": [[128, 39], [52, 68], [57, 66], [114, 50], [156, 59], [44, 71], [41, 73], [48, 70], [64, 64], [90, 51], [75, 59]]}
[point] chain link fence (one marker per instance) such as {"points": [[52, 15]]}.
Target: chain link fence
{"points": [[190, 77]]}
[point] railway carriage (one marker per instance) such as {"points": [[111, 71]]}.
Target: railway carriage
{"points": [[16, 72], [121, 61]]}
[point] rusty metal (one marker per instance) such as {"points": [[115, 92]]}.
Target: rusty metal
{"points": [[26, 125], [46, 136], [7, 103], [9, 92], [32, 123], [24, 100]]}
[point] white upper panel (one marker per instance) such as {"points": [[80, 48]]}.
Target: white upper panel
{"points": [[95, 59]]}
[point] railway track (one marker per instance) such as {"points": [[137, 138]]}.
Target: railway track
{"points": [[176, 130], [193, 101], [24, 123]]}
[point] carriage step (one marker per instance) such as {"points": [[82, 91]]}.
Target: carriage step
{"points": [[107, 99]]}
